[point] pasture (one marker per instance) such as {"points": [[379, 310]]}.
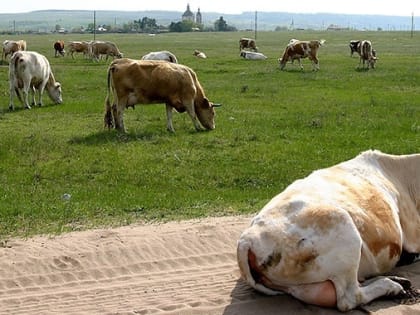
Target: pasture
{"points": [[274, 127]]}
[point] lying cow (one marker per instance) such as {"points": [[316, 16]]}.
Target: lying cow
{"points": [[59, 48], [160, 55], [252, 55], [149, 81], [199, 54], [12, 46], [297, 49], [353, 46], [322, 237], [367, 54], [247, 43], [29, 70]]}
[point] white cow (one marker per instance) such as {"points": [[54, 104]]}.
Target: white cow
{"points": [[199, 54], [324, 235], [160, 55], [29, 70], [252, 55]]}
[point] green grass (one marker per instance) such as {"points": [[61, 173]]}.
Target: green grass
{"points": [[274, 127]]}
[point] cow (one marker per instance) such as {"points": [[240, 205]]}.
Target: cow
{"points": [[11, 46], [99, 48], [78, 47], [29, 70], [247, 43], [59, 48], [324, 235], [367, 54], [353, 46], [160, 55], [301, 49], [252, 55], [199, 54], [154, 81]]}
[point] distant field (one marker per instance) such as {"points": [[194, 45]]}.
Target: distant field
{"points": [[274, 127]]}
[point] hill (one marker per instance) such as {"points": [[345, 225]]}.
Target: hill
{"points": [[47, 20]]}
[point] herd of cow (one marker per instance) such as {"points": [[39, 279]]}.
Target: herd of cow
{"points": [[297, 49], [318, 240]]}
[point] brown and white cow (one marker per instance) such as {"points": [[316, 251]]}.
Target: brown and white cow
{"points": [[324, 235], [367, 54], [11, 46], [199, 54], [29, 70], [59, 48], [78, 47], [297, 49], [247, 43], [134, 82], [99, 48], [160, 55]]}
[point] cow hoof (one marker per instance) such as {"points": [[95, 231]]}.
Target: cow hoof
{"points": [[11, 107]]}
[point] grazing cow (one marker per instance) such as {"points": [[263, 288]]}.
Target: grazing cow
{"points": [[252, 55], [29, 70], [154, 81], [353, 46], [324, 235], [199, 54], [11, 46], [99, 48], [247, 43], [59, 48], [367, 54], [78, 47], [160, 55], [301, 49]]}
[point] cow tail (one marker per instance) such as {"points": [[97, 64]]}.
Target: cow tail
{"points": [[108, 119], [14, 63]]}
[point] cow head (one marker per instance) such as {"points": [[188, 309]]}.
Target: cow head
{"points": [[54, 92], [205, 113]]}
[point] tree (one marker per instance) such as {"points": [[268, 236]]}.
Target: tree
{"points": [[146, 25], [184, 26], [221, 26]]}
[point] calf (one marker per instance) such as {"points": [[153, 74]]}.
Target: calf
{"points": [[297, 49], [134, 82], [367, 54], [324, 235], [78, 47], [29, 70], [247, 43], [59, 48], [199, 54]]}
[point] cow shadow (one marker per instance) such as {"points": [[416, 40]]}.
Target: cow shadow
{"points": [[247, 301], [114, 136]]}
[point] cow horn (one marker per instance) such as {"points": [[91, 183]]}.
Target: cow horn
{"points": [[216, 105]]}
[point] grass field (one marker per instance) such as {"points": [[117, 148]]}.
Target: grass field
{"points": [[274, 127]]}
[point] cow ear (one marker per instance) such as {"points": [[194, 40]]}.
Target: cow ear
{"points": [[57, 85]]}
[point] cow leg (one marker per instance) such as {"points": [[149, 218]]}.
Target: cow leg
{"points": [[169, 125], [193, 115], [118, 113]]}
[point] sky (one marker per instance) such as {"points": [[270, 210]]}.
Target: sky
{"points": [[380, 7]]}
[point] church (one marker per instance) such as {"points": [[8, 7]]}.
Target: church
{"points": [[189, 16]]}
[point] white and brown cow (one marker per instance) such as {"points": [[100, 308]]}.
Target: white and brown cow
{"points": [[134, 82], [160, 55], [247, 43], [367, 54], [328, 239], [297, 49], [99, 48], [12, 46], [29, 70], [59, 48], [199, 54]]}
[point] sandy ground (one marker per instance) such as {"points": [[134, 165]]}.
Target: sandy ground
{"points": [[173, 268]]}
